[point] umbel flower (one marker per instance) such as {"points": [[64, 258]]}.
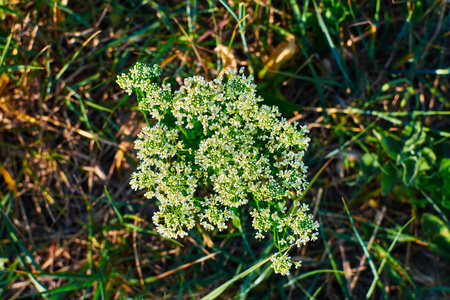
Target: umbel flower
{"points": [[213, 149]]}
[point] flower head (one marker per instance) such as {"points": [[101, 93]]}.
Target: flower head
{"points": [[214, 148], [281, 263]]}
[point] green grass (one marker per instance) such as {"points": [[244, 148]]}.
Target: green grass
{"points": [[370, 79]]}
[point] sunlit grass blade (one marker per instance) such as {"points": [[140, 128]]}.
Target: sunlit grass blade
{"points": [[191, 14], [311, 273], [316, 80], [6, 9], [82, 283], [389, 116], [75, 55], [218, 291], [217, 40], [314, 178], [16, 242], [319, 289], [364, 248], [28, 256], [255, 282], [161, 14], [84, 114], [383, 262], [297, 15], [5, 49], [349, 142], [334, 51], [21, 67], [113, 204], [133, 37], [240, 19], [152, 279]]}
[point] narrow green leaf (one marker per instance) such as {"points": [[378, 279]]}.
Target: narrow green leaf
{"points": [[218, 291], [113, 204], [5, 48], [311, 273], [19, 67], [363, 245], [383, 262], [241, 29], [75, 55], [336, 55]]}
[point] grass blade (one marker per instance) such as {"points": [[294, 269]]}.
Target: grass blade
{"points": [[383, 262], [362, 244], [218, 291], [311, 273], [75, 55], [113, 204], [334, 51], [5, 48], [240, 20]]}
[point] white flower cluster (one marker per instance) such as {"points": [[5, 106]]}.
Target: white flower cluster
{"points": [[213, 149], [281, 263]]}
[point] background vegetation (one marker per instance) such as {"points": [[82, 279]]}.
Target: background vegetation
{"points": [[369, 78]]}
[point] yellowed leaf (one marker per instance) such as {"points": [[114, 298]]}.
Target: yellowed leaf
{"points": [[119, 157], [282, 53], [169, 59], [8, 179], [4, 80]]}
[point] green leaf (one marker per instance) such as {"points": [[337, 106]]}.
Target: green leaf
{"points": [[392, 147], [389, 179], [430, 182], [444, 168], [427, 160], [429, 155], [369, 161], [446, 201], [410, 170], [417, 138], [438, 234], [445, 191], [237, 222]]}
